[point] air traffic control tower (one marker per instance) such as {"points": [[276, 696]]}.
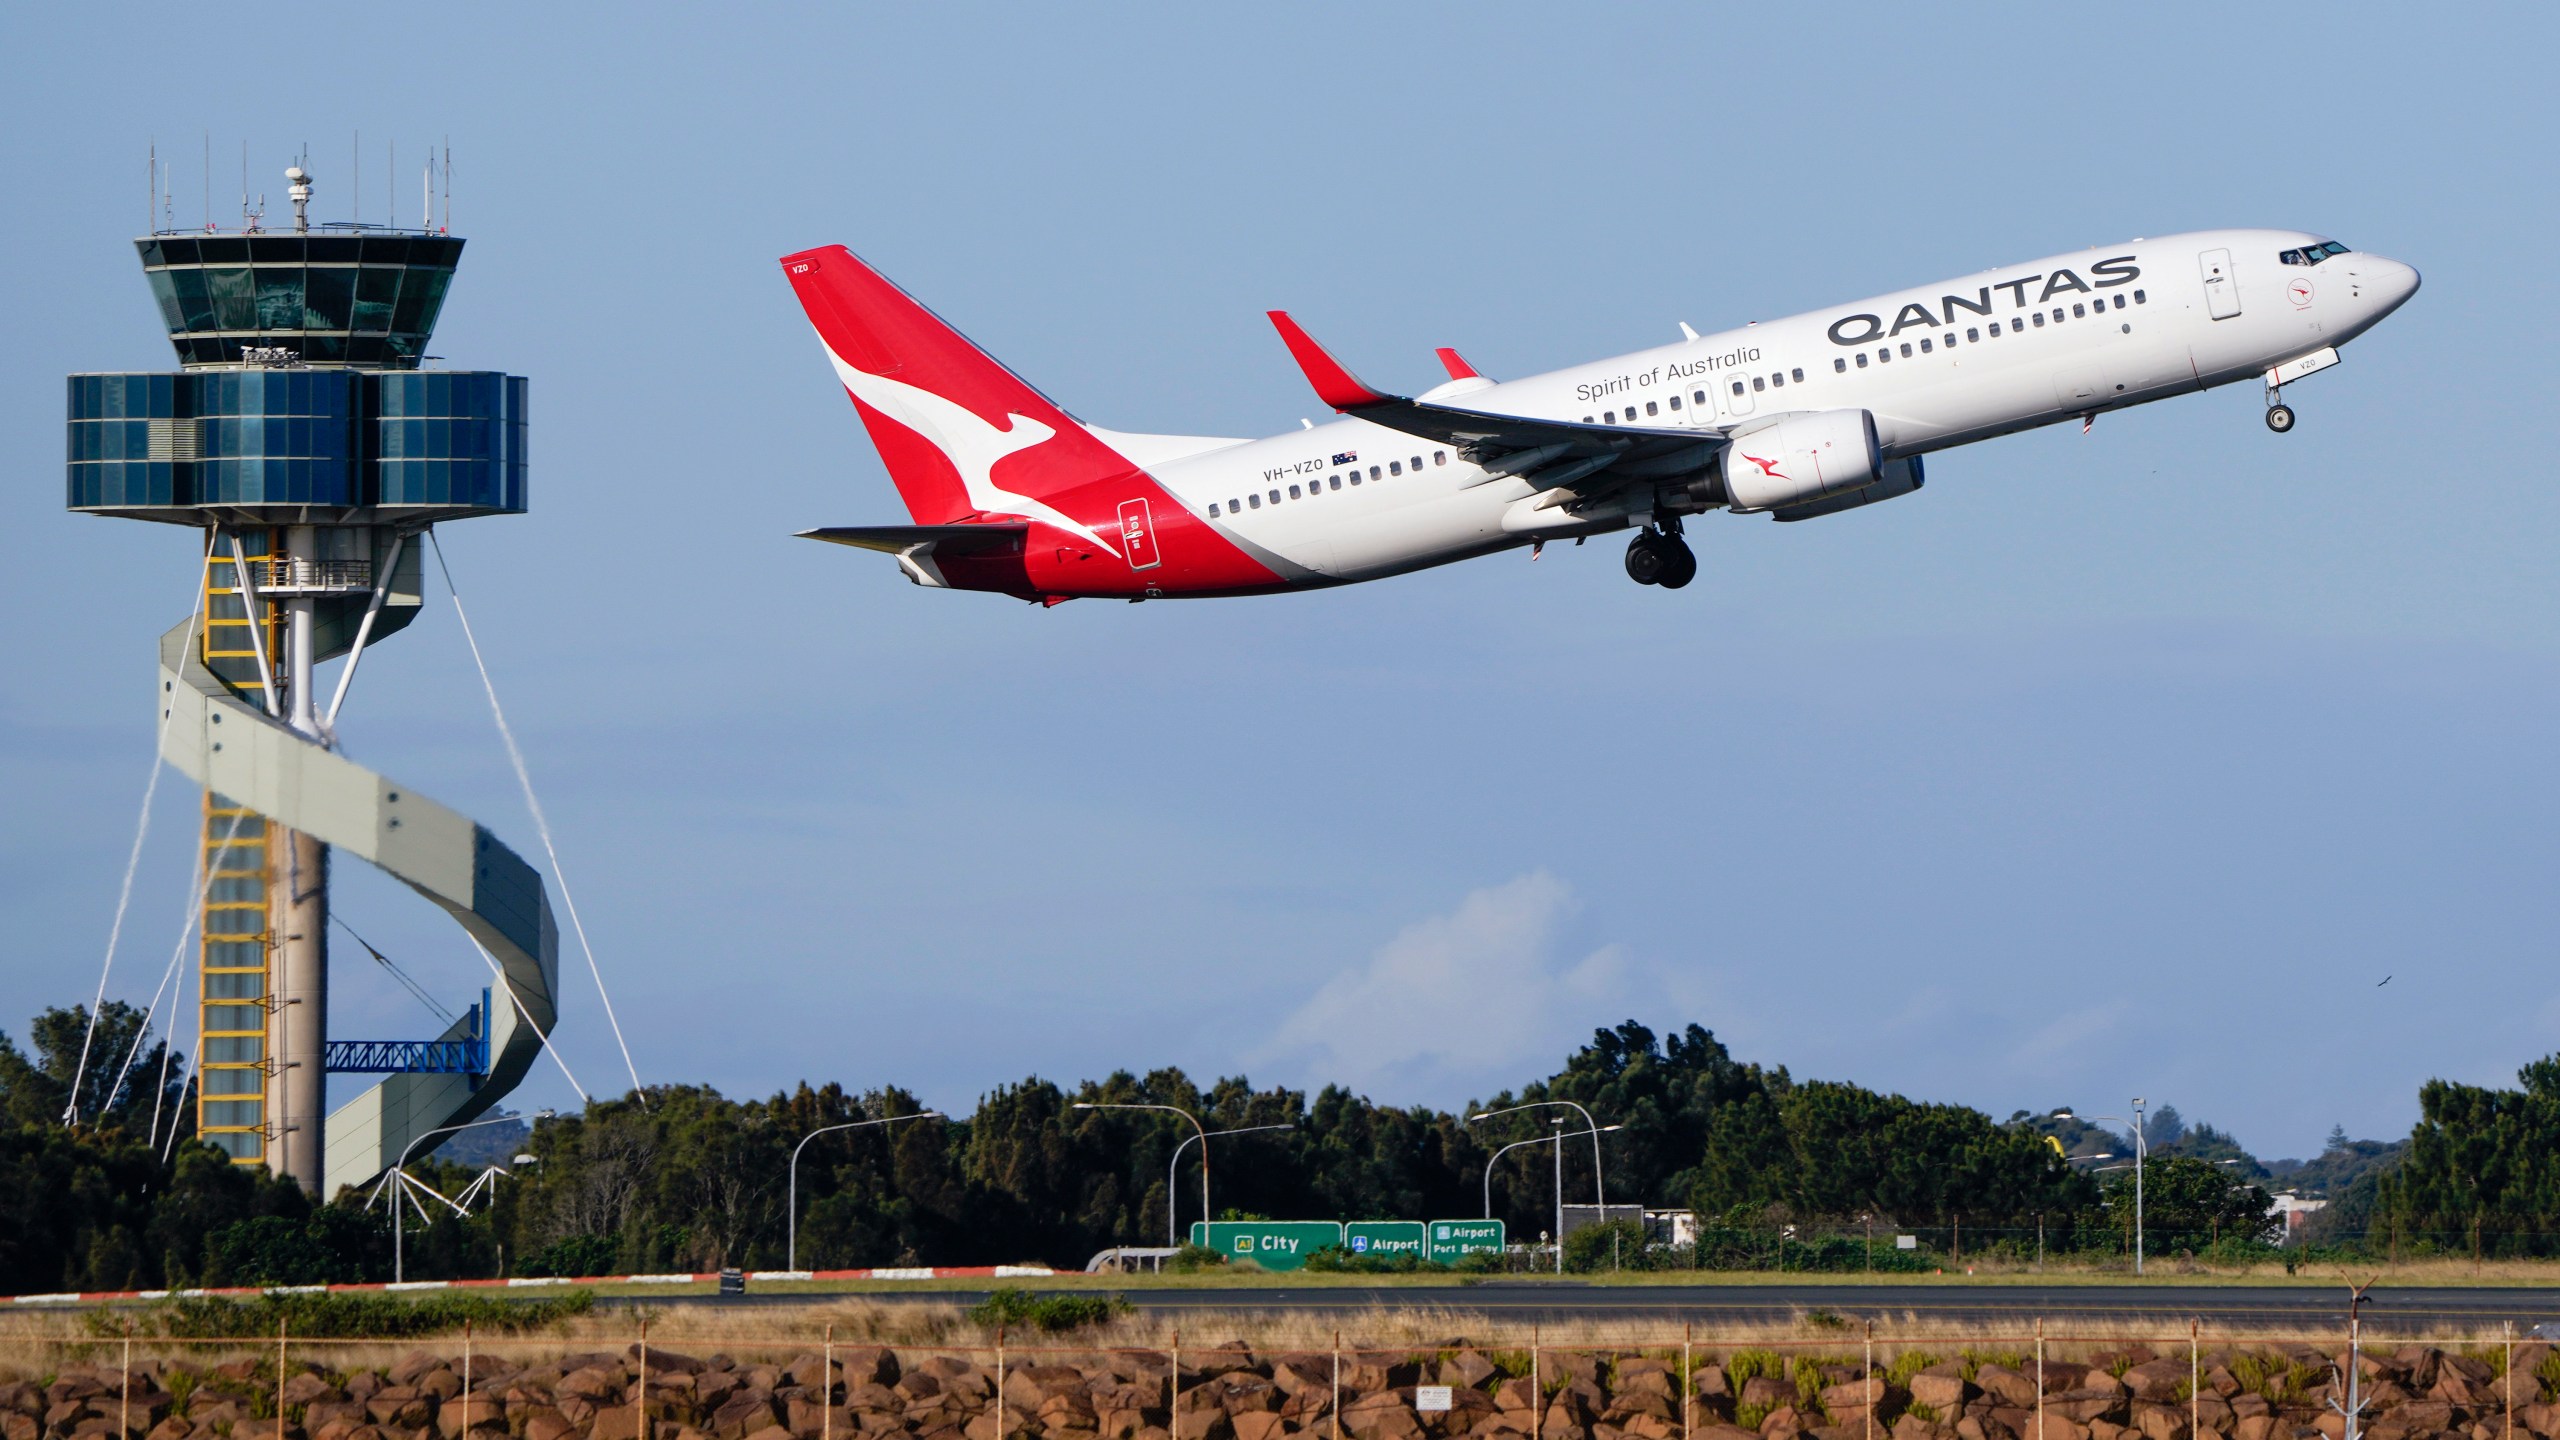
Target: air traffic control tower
{"points": [[303, 442]]}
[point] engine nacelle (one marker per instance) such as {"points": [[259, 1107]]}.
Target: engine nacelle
{"points": [[1895, 477], [1801, 459]]}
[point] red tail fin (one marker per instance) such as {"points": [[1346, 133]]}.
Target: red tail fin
{"points": [[964, 438]]}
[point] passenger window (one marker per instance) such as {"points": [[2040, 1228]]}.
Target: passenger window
{"points": [[1698, 396], [1416, 464], [1737, 387], [1840, 366], [1275, 497], [1675, 402], [2139, 299], [2079, 311], [2039, 319], [2057, 314], [1213, 509], [1439, 457], [1906, 349], [1885, 356], [1777, 381], [1257, 502], [1995, 327], [1590, 419], [1373, 472], [1974, 333], [1950, 341], [1862, 359], [1758, 383], [1395, 467], [1337, 482], [1799, 374], [1355, 479], [2119, 302], [1652, 409], [1293, 492], [1924, 345]]}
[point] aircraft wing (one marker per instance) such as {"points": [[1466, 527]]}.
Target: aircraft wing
{"points": [[1550, 453], [991, 539]]}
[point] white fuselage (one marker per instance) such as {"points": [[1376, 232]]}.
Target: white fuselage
{"points": [[1938, 365]]}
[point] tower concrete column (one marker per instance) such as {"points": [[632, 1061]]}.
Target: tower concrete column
{"points": [[298, 1091]]}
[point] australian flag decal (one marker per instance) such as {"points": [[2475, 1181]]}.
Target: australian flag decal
{"points": [[1347, 457]]}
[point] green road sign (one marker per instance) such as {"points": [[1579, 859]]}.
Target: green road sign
{"points": [[1451, 1239], [1271, 1244], [1384, 1237]]}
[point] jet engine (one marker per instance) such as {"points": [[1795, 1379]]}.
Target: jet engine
{"points": [[1801, 459], [1894, 477]]}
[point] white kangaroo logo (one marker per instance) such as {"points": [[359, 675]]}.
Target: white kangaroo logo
{"points": [[971, 445]]}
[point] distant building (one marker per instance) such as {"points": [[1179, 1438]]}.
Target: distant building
{"points": [[2296, 1210]]}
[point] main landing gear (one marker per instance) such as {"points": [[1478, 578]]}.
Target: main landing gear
{"points": [[1661, 557]]}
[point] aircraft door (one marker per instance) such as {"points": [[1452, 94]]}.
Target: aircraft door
{"points": [[2221, 292], [1138, 535], [1735, 393]]}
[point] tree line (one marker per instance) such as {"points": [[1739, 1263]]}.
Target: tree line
{"points": [[683, 1178]]}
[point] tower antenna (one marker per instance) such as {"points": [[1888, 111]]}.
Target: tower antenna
{"points": [[208, 180], [391, 187], [355, 181], [151, 217]]}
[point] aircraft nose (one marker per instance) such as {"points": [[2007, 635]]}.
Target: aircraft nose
{"points": [[2393, 281]]}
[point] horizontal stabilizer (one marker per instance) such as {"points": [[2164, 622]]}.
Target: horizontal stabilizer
{"points": [[941, 539]]}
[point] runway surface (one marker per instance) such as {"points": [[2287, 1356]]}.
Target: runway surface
{"points": [[2258, 1306]]}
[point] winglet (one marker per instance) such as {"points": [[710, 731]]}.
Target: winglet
{"points": [[1335, 385], [1456, 364]]}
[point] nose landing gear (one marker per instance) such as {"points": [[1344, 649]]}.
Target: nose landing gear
{"points": [[1661, 557], [2279, 416]]}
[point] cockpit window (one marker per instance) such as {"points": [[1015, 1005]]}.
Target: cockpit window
{"points": [[2312, 254]]}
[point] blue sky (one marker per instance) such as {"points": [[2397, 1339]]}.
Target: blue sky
{"points": [[2111, 765]]}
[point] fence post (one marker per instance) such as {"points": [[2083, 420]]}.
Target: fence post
{"points": [[1688, 1380], [1875, 1392], [999, 1423], [466, 1377], [1337, 1387], [640, 1392], [2509, 1380], [1173, 1409], [2040, 1435], [124, 1404], [2195, 1379], [827, 1385], [279, 1377], [1537, 1386]]}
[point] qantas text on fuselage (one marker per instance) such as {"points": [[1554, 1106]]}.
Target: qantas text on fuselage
{"points": [[1794, 419]]}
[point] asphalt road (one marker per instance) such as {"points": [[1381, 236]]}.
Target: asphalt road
{"points": [[2221, 1305]]}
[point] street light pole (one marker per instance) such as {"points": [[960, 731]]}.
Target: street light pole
{"points": [[2141, 1151], [791, 1201], [397, 1178], [1599, 1185], [1198, 1133], [1558, 1122], [1514, 1145], [1174, 1169]]}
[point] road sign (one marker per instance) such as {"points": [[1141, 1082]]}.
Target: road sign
{"points": [[1385, 1237], [1450, 1240], [1427, 1398], [1271, 1244]]}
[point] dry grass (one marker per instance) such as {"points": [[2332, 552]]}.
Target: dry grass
{"points": [[42, 1341]]}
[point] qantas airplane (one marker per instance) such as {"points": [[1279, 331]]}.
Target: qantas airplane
{"points": [[1792, 419]]}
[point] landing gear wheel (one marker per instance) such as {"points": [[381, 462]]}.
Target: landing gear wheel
{"points": [[2279, 418], [1648, 558], [1683, 567]]}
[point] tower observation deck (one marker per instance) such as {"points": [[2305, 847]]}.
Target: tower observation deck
{"points": [[304, 442]]}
